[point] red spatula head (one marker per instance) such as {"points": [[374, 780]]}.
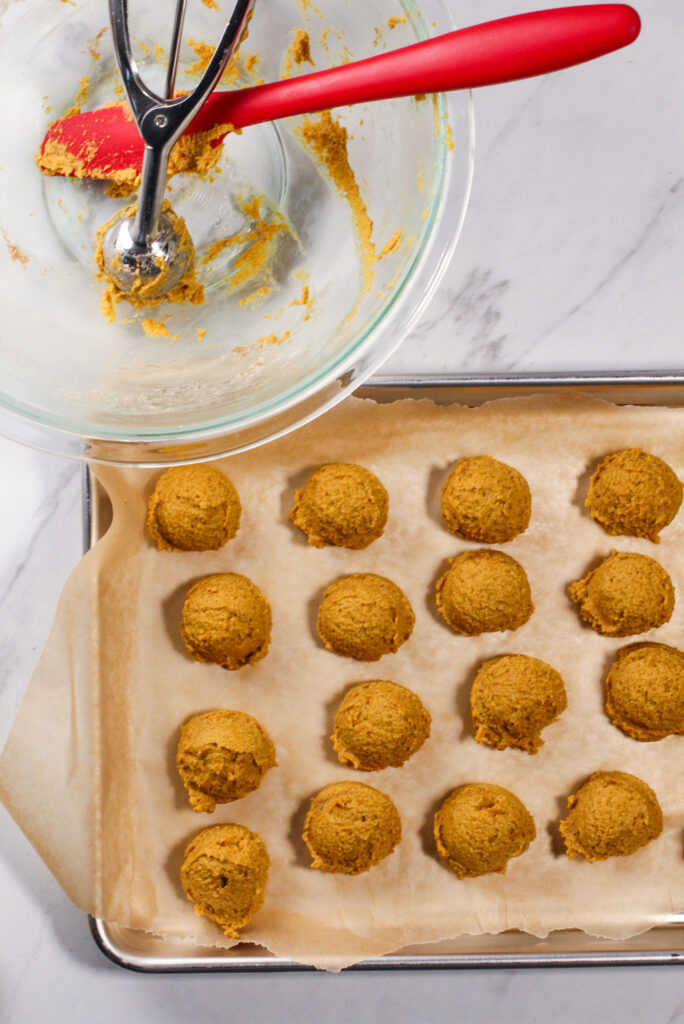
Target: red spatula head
{"points": [[95, 144]]}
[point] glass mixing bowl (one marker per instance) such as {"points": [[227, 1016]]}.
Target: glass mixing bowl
{"points": [[278, 339]]}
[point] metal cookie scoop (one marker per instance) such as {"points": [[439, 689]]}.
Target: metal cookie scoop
{"points": [[147, 253]]}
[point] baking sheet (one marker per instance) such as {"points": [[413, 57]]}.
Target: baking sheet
{"points": [[136, 805]]}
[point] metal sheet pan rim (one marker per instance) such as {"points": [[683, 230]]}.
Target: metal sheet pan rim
{"points": [[257, 961], [561, 378]]}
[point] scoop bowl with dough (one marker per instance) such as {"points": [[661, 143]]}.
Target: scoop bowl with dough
{"points": [[285, 331]]}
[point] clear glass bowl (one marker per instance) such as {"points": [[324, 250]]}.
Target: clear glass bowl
{"points": [[256, 359]]}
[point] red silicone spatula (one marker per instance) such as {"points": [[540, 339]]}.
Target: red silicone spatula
{"points": [[104, 142]]}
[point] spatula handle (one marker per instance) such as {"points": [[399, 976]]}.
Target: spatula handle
{"points": [[497, 51]]}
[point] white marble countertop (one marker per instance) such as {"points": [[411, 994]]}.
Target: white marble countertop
{"points": [[571, 258]]}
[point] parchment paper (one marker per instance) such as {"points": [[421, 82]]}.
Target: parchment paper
{"points": [[88, 770]]}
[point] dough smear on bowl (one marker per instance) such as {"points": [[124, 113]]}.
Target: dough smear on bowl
{"points": [[222, 756], [341, 504], [612, 815], [634, 493], [224, 873], [626, 594], [226, 619], [364, 616], [486, 501], [484, 592], [513, 698], [379, 724], [479, 827], [645, 691], [193, 508], [350, 827]]}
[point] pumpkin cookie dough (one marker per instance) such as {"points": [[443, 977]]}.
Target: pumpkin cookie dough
{"points": [[226, 619], [341, 504], [484, 592], [645, 691], [350, 828], [634, 493], [224, 874], [379, 725], [512, 699], [626, 594], [222, 756], [612, 815], [364, 616], [193, 508], [486, 501], [479, 827]]}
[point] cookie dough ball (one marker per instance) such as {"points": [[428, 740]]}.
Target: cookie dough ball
{"points": [[479, 827], [193, 508], [634, 493], [224, 874], [222, 756], [226, 619], [485, 500], [645, 691], [341, 504], [350, 828], [484, 592], [626, 594], [513, 698], [379, 725], [364, 616], [612, 815]]}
